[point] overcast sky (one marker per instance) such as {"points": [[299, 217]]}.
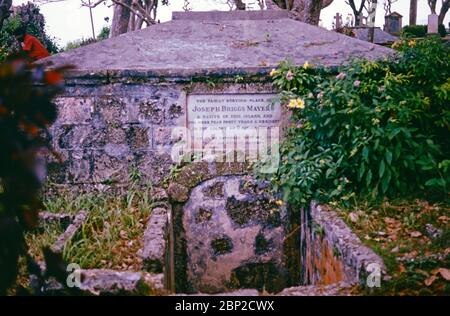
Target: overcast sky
{"points": [[68, 21]]}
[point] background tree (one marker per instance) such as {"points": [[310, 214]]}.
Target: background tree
{"points": [[240, 5], [388, 6], [413, 12], [358, 10], [29, 16], [307, 11], [5, 10], [130, 15], [444, 9]]}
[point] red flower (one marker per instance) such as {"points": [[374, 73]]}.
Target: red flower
{"points": [[53, 77]]}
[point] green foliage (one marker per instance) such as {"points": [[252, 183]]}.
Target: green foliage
{"points": [[410, 31], [378, 128], [29, 16], [110, 237], [414, 31], [104, 34], [26, 111], [79, 43]]}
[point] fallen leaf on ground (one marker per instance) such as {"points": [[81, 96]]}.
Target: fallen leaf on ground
{"points": [[394, 250], [353, 217], [430, 280], [445, 273], [411, 255], [423, 272], [415, 234]]}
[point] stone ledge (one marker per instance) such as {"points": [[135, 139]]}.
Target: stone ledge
{"points": [[355, 254], [242, 292], [233, 15], [70, 232], [100, 77], [154, 250], [101, 282], [109, 282], [336, 289]]}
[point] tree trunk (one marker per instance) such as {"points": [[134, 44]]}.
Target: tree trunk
{"points": [[432, 5], [371, 20], [5, 7], [413, 12], [307, 11], [121, 19], [357, 12], [444, 9], [239, 4]]}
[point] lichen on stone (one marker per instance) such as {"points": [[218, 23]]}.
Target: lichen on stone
{"points": [[222, 245]]}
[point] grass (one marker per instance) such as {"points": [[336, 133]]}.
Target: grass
{"points": [[397, 230], [111, 235]]}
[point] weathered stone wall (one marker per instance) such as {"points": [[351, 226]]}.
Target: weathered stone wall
{"points": [[107, 126], [350, 260]]}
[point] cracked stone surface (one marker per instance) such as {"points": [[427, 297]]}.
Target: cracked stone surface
{"points": [[229, 251], [154, 250]]}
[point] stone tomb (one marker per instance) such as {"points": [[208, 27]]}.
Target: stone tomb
{"points": [[132, 99], [128, 94]]}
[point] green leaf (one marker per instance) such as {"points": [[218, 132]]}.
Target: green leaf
{"points": [[362, 169], [388, 157], [369, 178], [385, 182], [435, 182], [328, 173], [365, 154], [382, 168]]}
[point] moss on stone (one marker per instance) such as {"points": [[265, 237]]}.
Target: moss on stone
{"points": [[222, 245], [262, 245]]}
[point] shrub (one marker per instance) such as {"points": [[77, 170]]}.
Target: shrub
{"points": [[30, 16], [377, 128], [104, 34], [414, 31], [409, 31], [26, 111], [79, 43]]}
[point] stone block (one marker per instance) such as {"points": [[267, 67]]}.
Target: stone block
{"points": [[110, 282], [111, 109], [78, 136], [223, 255], [112, 164], [80, 166], [153, 252], [433, 24], [74, 110], [138, 137], [178, 192], [153, 165]]}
